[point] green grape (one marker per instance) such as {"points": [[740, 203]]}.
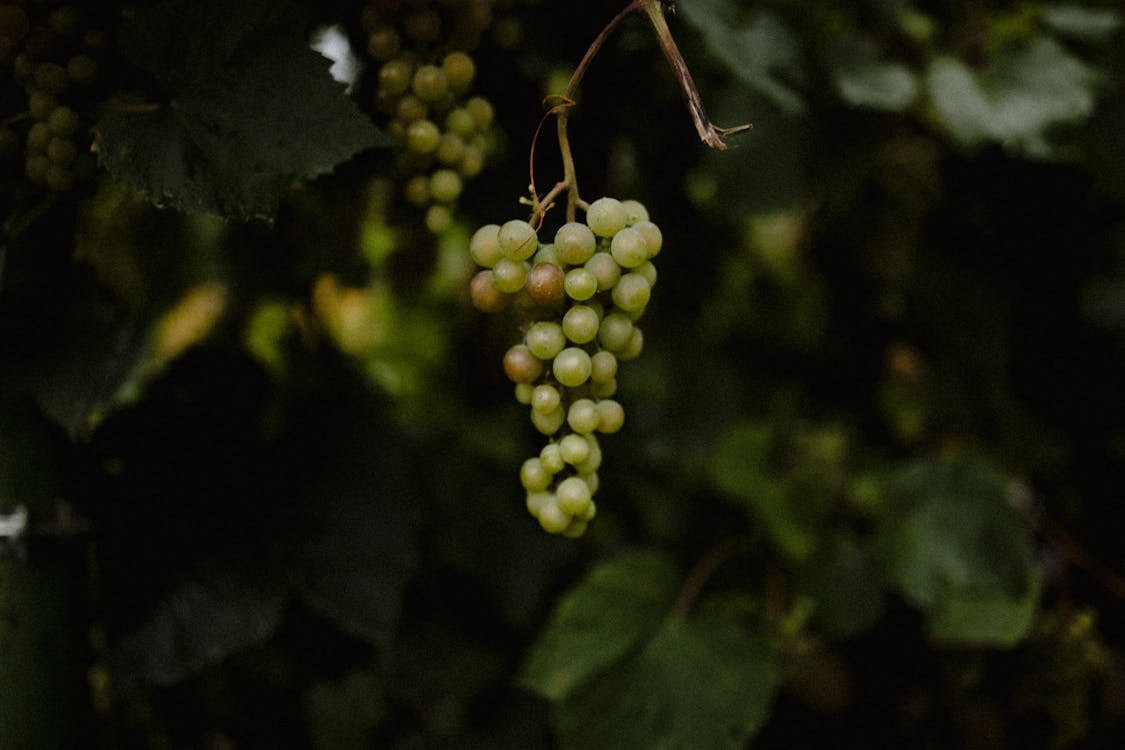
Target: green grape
{"points": [[423, 137], [459, 70], [51, 78], [605, 270], [545, 339], [534, 476], [603, 389], [518, 240], [636, 345], [577, 526], [628, 248], [606, 217], [550, 422], [41, 105], [417, 191], [545, 283], [383, 43], [481, 111], [592, 480], [551, 457], [603, 367], [484, 246], [571, 367], [547, 254], [648, 270], [552, 518], [575, 449], [593, 460], [580, 284], [509, 275], [573, 496], [484, 295], [38, 137], [545, 398], [460, 122], [615, 331], [438, 219], [575, 242], [610, 416], [583, 416], [82, 69], [520, 365], [35, 168], [423, 26], [394, 77], [536, 501], [472, 163], [580, 324], [632, 292], [445, 185], [654, 239], [61, 151], [524, 392], [410, 109], [430, 84], [634, 211], [63, 121], [451, 151]]}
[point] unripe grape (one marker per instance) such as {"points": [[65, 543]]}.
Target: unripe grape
{"points": [[593, 460], [576, 528], [545, 283], [484, 246], [460, 122], [445, 185], [648, 270], [51, 78], [394, 77], [524, 392], [383, 43], [38, 137], [423, 26], [536, 501], [35, 168], [547, 254], [604, 389], [459, 70], [636, 345], [430, 83], [481, 111], [41, 105], [573, 496], [520, 365], [534, 477], [82, 69], [417, 190], [548, 423], [580, 284], [551, 458], [628, 248], [509, 275], [552, 518], [411, 109], [632, 292], [545, 339], [580, 324], [610, 416], [571, 367], [423, 137], [472, 163], [545, 398], [615, 331], [635, 211], [574, 449], [590, 512], [654, 239], [605, 270], [575, 243], [606, 217], [451, 150], [61, 151], [592, 480], [603, 367], [518, 240], [583, 416], [438, 218]]}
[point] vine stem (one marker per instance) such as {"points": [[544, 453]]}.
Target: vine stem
{"points": [[709, 133]]}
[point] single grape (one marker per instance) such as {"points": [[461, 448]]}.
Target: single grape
{"points": [[545, 339], [573, 496], [460, 122], [545, 398], [574, 449], [552, 459], [628, 248], [577, 526], [580, 284], [520, 365], [63, 121], [459, 70], [548, 423], [82, 69], [547, 254], [603, 389], [571, 367], [482, 112], [423, 26], [605, 270], [536, 501], [580, 324], [654, 239], [603, 367], [648, 270], [38, 137], [51, 78], [636, 345], [472, 163], [575, 243], [484, 247], [484, 295], [430, 83], [533, 475], [545, 283], [40, 105], [610, 416], [552, 518], [61, 151], [417, 190], [583, 416], [524, 392], [510, 275], [383, 43], [606, 217], [445, 185], [592, 480], [593, 460], [410, 109], [635, 211], [451, 150], [438, 218], [518, 240], [423, 137], [394, 77], [632, 292], [14, 23], [615, 331]]}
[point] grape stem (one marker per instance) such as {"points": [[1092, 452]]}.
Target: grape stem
{"points": [[709, 133], [703, 571]]}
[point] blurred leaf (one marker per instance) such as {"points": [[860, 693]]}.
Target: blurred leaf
{"points": [[762, 53], [703, 683], [344, 715], [246, 107], [864, 80], [597, 623], [1026, 91], [847, 587], [742, 469], [1080, 22], [955, 548]]}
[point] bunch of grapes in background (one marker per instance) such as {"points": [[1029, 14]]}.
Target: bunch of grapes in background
{"points": [[51, 59], [422, 96], [579, 299]]}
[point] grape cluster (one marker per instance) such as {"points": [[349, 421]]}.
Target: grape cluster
{"points": [[52, 59], [580, 297], [422, 96]]}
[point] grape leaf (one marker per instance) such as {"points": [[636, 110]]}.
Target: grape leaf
{"points": [[761, 53], [1025, 92], [847, 587], [864, 80], [612, 611], [700, 683], [245, 107], [1078, 22]]}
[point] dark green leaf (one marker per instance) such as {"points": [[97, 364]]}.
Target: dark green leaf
{"points": [[343, 715], [762, 53], [703, 683], [864, 80], [245, 108], [987, 617], [847, 587], [1079, 22], [618, 605]]}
